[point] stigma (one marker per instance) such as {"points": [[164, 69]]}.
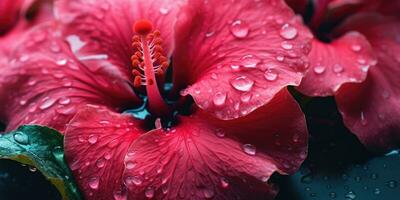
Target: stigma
{"points": [[148, 63]]}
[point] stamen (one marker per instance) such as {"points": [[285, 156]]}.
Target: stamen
{"points": [[147, 61]]}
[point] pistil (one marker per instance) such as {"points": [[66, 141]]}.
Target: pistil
{"points": [[148, 61]]}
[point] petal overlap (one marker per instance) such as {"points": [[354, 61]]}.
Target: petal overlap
{"points": [[237, 55], [371, 109], [345, 60], [100, 32], [201, 157], [43, 83]]}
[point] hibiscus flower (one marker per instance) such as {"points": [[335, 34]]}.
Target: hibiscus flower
{"points": [[357, 62], [17, 16], [226, 125]]}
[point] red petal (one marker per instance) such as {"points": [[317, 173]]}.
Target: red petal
{"points": [[96, 142], [238, 55], [299, 6], [103, 28], [207, 158], [9, 10], [345, 60], [371, 109], [44, 83]]}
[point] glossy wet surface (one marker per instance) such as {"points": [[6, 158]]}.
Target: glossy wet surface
{"points": [[338, 167]]}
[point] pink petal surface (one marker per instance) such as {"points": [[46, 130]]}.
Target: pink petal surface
{"points": [[43, 83], [371, 109], [96, 142], [345, 60], [202, 157], [238, 55], [206, 158], [100, 32]]}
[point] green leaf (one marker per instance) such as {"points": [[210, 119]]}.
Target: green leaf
{"points": [[42, 148]]}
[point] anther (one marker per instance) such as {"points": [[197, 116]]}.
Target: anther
{"points": [[143, 27]]}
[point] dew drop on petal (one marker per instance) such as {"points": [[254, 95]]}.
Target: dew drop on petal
{"points": [[164, 11], [246, 97], [149, 193], [219, 98], [62, 62], [92, 139], [64, 100], [130, 165], [239, 29], [100, 163], [350, 196], [249, 149], [338, 68], [47, 103], [250, 61], [224, 182], [242, 83], [219, 133], [120, 195], [319, 69], [280, 58], [356, 48], [94, 183], [286, 45], [363, 120], [288, 32], [21, 138], [270, 75], [208, 193]]}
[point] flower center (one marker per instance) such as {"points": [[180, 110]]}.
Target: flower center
{"points": [[148, 64]]}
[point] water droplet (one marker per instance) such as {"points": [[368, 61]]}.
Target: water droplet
{"points": [[250, 61], [224, 182], [22, 102], [92, 139], [164, 11], [392, 184], [64, 100], [332, 195], [374, 176], [307, 179], [286, 45], [288, 32], [32, 82], [208, 193], [377, 191], [120, 195], [219, 133], [130, 165], [246, 97], [239, 29], [62, 62], [107, 155], [319, 69], [363, 120], [214, 76], [350, 196], [280, 58], [249, 149], [242, 83], [47, 103], [137, 180], [219, 98], [271, 74], [21, 138], [100, 163], [209, 34], [356, 48], [337, 68], [94, 183], [234, 67], [32, 169], [149, 193]]}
